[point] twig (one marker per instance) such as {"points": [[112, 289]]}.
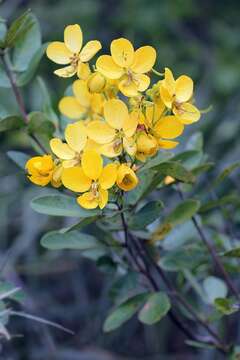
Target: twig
{"points": [[146, 272], [212, 252]]}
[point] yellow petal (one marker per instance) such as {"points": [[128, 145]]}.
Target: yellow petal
{"points": [[130, 124], [115, 113], [128, 87], [89, 50], [81, 92], [40, 180], [73, 38], [187, 113], [167, 144], [83, 71], [92, 164], [103, 198], [100, 132], [122, 52], [144, 59], [74, 179], [130, 146], [126, 178], [92, 145], [70, 107], [59, 53], [87, 201], [97, 103], [108, 68], [66, 72], [143, 82], [169, 82], [168, 127], [71, 163], [146, 144], [166, 96], [76, 136], [61, 150], [108, 176], [112, 149], [39, 165], [184, 88]]}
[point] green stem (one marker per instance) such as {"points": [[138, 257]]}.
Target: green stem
{"points": [[18, 96]]}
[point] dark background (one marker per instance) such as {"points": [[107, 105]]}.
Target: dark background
{"points": [[198, 38]]}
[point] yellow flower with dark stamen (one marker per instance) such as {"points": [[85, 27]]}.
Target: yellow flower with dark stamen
{"points": [[71, 53], [176, 95], [128, 66], [126, 178], [83, 104], [116, 133], [71, 151], [91, 178], [42, 170]]}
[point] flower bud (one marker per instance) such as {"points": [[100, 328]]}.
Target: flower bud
{"points": [[96, 83], [126, 178]]}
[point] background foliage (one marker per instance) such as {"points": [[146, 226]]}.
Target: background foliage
{"points": [[200, 39]]}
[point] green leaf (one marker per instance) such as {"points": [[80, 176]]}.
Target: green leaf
{"points": [[41, 128], [225, 173], [18, 28], [145, 180], [156, 307], [146, 215], [61, 205], [176, 170], [7, 287], [156, 160], [13, 122], [47, 107], [26, 46], [4, 81], [183, 212], [55, 240], [190, 257], [124, 287], [233, 253], [199, 345], [231, 199], [202, 168], [214, 288], [19, 158], [226, 306], [26, 76], [124, 312], [3, 31]]}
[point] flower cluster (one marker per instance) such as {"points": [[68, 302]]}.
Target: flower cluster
{"points": [[117, 120]]}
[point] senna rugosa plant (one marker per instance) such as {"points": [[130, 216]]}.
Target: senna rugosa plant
{"points": [[108, 157]]}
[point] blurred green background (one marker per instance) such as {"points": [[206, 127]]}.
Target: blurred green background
{"points": [[201, 39]]}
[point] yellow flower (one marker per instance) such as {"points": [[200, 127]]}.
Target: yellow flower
{"points": [[126, 178], [96, 82], [176, 95], [71, 151], [163, 128], [71, 53], [128, 66], [147, 145], [92, 179], [116, 133], [83, 104], [42, 170]]}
